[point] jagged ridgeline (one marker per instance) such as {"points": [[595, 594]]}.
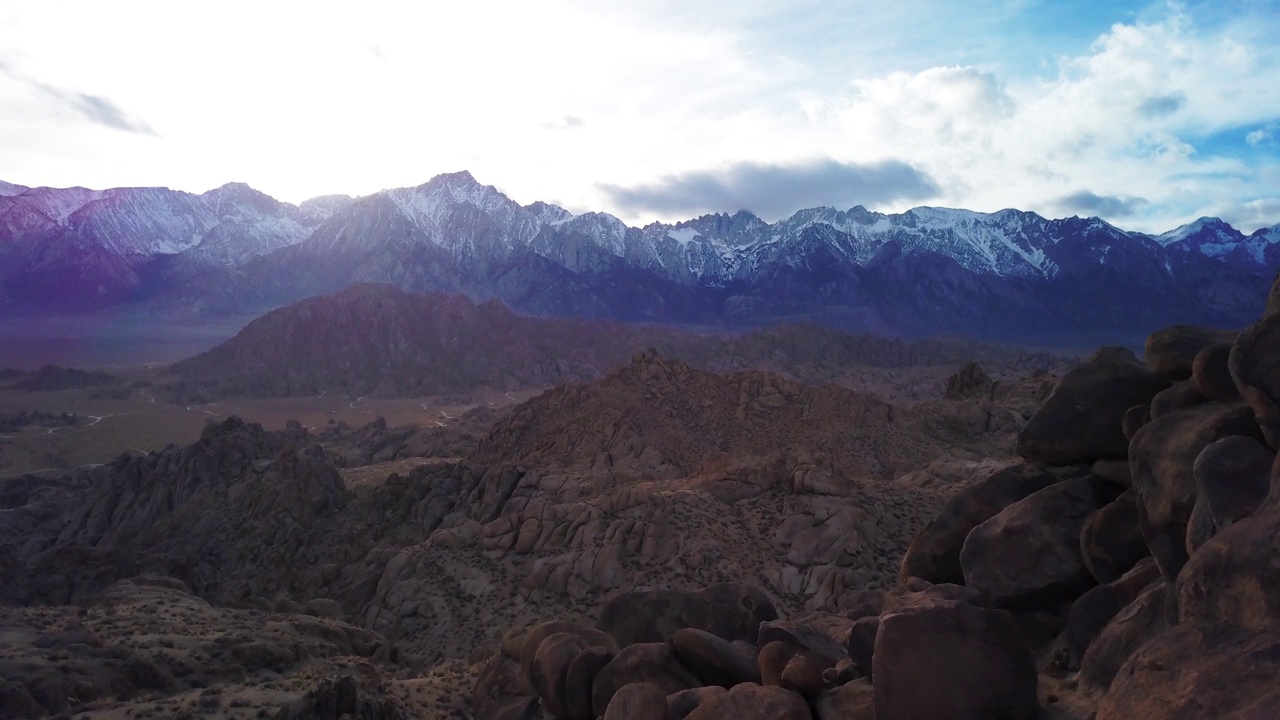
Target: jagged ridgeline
{"points": [[1008, 274]]}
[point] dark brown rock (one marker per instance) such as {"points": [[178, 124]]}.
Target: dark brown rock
{"points": [[1183, 394], [550, 665], [714, 660], [638, 701], [680, 704], [862, 643], [580, 678], [934, 554], [1198, 671], [498, 689], [845, 671], [1028, 556], [1233, 478], [1161, 458], [1111, 541], [773, 658], [1133, 420], [800, 675], [1081, 421], [851, 701], [729, 610], [753, 702], [940, 658], [821, 649], [1235, 576], [1115, 472], [532, 640], [642, 662], [1255, 367], [1092, 611], [1171, 352], [1211, 373], [1138, 622]]}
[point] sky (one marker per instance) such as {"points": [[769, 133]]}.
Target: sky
{"points": [[1148, 115]]}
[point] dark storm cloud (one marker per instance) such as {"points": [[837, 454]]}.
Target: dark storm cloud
{"points": [[1090, 203], [774, 191], [1162, 105]]}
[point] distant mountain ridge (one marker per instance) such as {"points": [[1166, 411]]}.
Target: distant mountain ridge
{"points": [[1003, 274]]}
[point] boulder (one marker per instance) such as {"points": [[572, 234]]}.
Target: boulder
{"points": [[1133, 420], [821, 649], [1092, 611], [532, 640], [1198, 671], [1171, 352], [1111, 541], [1235, 576], [1211, 373], [1161, 458], [934, 554], [714, 660], [942, 658], [1255, 367], [680, 704], [580, 678], [638, 701], [851, 701], [862, 643], [800, 675], [753, 702], [1028, 556], [1233, 478], [1081, 421], [1115, 472], [1183, 394], [773, 659], [729, 610], [550, 666], [1138, 622], [642, 662]]}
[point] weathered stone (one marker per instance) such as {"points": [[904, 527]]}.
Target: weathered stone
{"points": [[729, 610], [753, 702], [862, 643], [1111, 541], [1235, 576], [550, 665], [1081, 421], [1133, 420], [1255, 367], [1170, 352], [714, 660], [642, 662], [1133, 626], [773, 658], [1211, 373], [940, 658], [821, 649], [1198, 671], [934, 554], [680, 704], [1161, 458], [1233, 478], [533, 639], [851, 701], [800, 675], [1096, 608], [1028, 556], [638, 701], [580, 678], [1183, 394]]}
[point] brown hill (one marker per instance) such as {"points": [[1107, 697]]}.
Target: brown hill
{"points": [[377, 340]]}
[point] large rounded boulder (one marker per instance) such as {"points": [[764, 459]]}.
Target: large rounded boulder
{"points": [[1171, 352], [1028, 556], [934, 554], [1255, 366], [1081, 421]]}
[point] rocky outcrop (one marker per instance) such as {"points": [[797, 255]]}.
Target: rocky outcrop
{"points": [[1081, 422], [1171, 352]]}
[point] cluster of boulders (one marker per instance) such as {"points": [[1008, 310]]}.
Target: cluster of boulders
{"points": [[1127, 568]]}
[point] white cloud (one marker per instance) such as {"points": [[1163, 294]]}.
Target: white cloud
{"points": [[1258, 137]]}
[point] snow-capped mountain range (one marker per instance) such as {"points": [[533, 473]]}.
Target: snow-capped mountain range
{"points": [[926, 269]]}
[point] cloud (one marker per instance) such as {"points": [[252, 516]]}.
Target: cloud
{"points": [[100, 110], [1162, 105], [773, 190], [568, 122], [1093, 204], [1258, 137]]}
